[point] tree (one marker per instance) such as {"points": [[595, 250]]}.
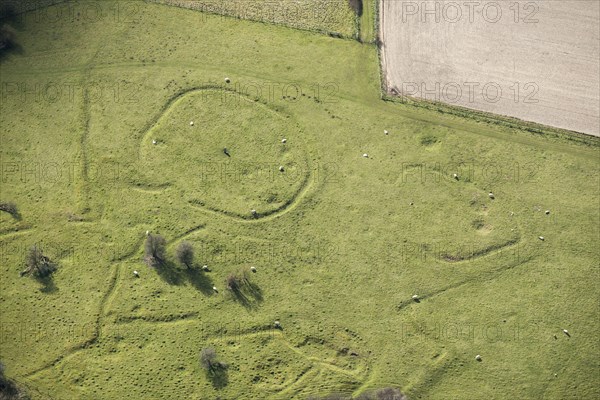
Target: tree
{"points": [[185, 254], [208, 360], [155, 250], [37, 264]]}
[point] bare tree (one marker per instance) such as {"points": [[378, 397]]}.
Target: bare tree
{"points": [[37, 264], [208, 360], [155, 250], [185, 254]]}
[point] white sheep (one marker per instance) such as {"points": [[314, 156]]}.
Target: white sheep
{"points": [[154, 141], [415, 297], [547, 212], [541, 238], [147, 233], [281, 169], [205, 267], [385, 131], [227, 80], [283, 141], [137, 274], [253, 212], [215, 289], [491, 195], [365, 155], [253, 269], [478, 357], [455, 176], [191, 123]]}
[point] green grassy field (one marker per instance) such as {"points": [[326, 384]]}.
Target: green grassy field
{"points": [[341, 242]]}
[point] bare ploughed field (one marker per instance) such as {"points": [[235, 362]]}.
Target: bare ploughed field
{"points": [[534, 60]]}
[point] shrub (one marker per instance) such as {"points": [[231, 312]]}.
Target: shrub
{"points": [[233, 282], [185, 254]]}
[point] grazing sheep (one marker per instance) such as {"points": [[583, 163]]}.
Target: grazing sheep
{"points": [[227, 80], [226, 152], [566, 332], [205, 268], [478, 357], [491, 195], [253, 269], [253, 212], [455, 176], [415, 297], [154, 141], [277, 325], [284, 141], [411, 203], [365, 155], [281, 169], [191, 123], [385, 131], [547, 212], [541, 238], [147, 233], [137, 274], [215, 289]]}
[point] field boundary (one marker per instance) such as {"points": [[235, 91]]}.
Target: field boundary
{"points": [[207, 9]]}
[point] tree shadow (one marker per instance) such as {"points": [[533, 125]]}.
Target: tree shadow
{"points": [[170, 273], [48, 285], [173, 274], [8, 50], [218, 377], [9, 14], [11, 209], [248, 295], [199, 280], [10, 21]]}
